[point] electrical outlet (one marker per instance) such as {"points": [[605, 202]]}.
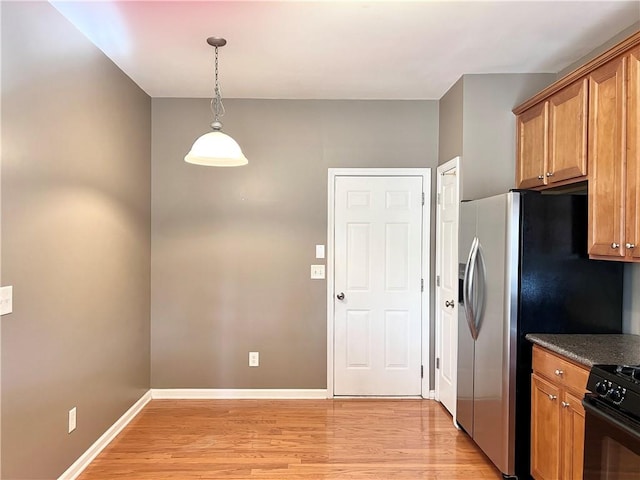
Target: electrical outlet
{"points": [[254, 359], [6, 300], [72, 419], [317, 272]]}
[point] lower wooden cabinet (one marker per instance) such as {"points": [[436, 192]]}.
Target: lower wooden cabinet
{"points": [[572, 438], [557, 417]]}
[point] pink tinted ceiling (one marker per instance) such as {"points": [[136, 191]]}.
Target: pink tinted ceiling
{"points": [[341, 49]]}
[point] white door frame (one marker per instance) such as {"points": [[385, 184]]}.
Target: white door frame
{"points": [[425, 173], [453, 163]]}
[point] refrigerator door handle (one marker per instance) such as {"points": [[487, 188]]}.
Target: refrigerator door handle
{"points": [[469, 288], [481, 279]]}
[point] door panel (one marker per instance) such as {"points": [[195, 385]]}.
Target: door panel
{"points": [[378, 258], [358, 341], [545, 430], [447, 306], [572, 437], [532, 128], [568, 132], [358, 256], [397, 248], [606, 145], [633, 154], [397, 342]]}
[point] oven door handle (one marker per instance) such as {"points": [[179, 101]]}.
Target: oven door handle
{"points": [[611, 416]]}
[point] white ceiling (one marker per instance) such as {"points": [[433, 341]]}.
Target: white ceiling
{"points": [[340, 49]]}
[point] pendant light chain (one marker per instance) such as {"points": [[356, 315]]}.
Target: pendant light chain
{"points": [[216, 148], [216, 102]]}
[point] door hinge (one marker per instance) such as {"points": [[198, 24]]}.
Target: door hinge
{"points": [[422, 284], [437, 280], [438, 363], [421, 371], [422, 198]]}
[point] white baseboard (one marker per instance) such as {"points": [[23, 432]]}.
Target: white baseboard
{"points": [[432, 395], [92, 452], [231, 393]]}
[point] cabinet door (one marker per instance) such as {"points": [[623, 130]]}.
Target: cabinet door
{"points": [[572, 437], [632, 209], [532, 128], [545, 429], [606, 159], [568, 133]]}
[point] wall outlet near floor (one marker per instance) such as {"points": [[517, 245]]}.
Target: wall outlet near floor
{"points": [[72, 419], [254, 359]]}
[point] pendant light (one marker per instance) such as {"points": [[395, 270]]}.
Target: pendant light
{"points": [[216, 149]]}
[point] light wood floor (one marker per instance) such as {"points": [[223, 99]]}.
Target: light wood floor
{"points": [[291, 440]]}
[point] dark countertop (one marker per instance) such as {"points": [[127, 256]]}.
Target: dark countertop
{"points": [[588, 350]]}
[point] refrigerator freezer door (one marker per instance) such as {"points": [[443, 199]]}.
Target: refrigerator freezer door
{"points": [[464, 401], [491, 392]]}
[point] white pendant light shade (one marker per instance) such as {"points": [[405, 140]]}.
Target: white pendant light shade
{"points": [[216, 149]]}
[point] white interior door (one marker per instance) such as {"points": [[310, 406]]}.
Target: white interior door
{"points": [[447, 284], [377, 282]]}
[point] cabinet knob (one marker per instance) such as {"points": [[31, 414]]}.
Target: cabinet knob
{"points": [[630, 245], [565, 404], [559, 372], [540, 177], [615, 245], [549, 174], [552, 397]]}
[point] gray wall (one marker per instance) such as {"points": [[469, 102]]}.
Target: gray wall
{"points": [[476, 123], [231, 248], [627, 32], [450, 126], [76, 140]]}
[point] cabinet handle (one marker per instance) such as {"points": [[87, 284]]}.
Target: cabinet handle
{"points": [[552, 397], [559, 372], [615, 245], [565, 404], [549, 174], [630, 245], [540, 177]]}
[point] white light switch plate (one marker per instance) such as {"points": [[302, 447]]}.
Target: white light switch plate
{"points": [[6, 300], [319, 251], [317, 272]]}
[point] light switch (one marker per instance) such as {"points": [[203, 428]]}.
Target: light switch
{"points": [[317, 272], [319, 251], [6, 300]]}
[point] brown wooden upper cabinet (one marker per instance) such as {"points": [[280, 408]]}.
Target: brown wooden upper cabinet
{"points": [[586, 126], [552, 139], [614, 163]]}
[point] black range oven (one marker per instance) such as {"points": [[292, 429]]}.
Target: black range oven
{"points": [[612, 423]]}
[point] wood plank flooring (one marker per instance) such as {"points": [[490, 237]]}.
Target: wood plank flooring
{"points": [[292, 440]]}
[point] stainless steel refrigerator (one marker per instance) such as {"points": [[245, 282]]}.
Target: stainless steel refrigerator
{"points": [[525, 270]]}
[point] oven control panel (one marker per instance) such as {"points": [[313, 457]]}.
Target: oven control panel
{"points": [[618, 391], [614, 393]]}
